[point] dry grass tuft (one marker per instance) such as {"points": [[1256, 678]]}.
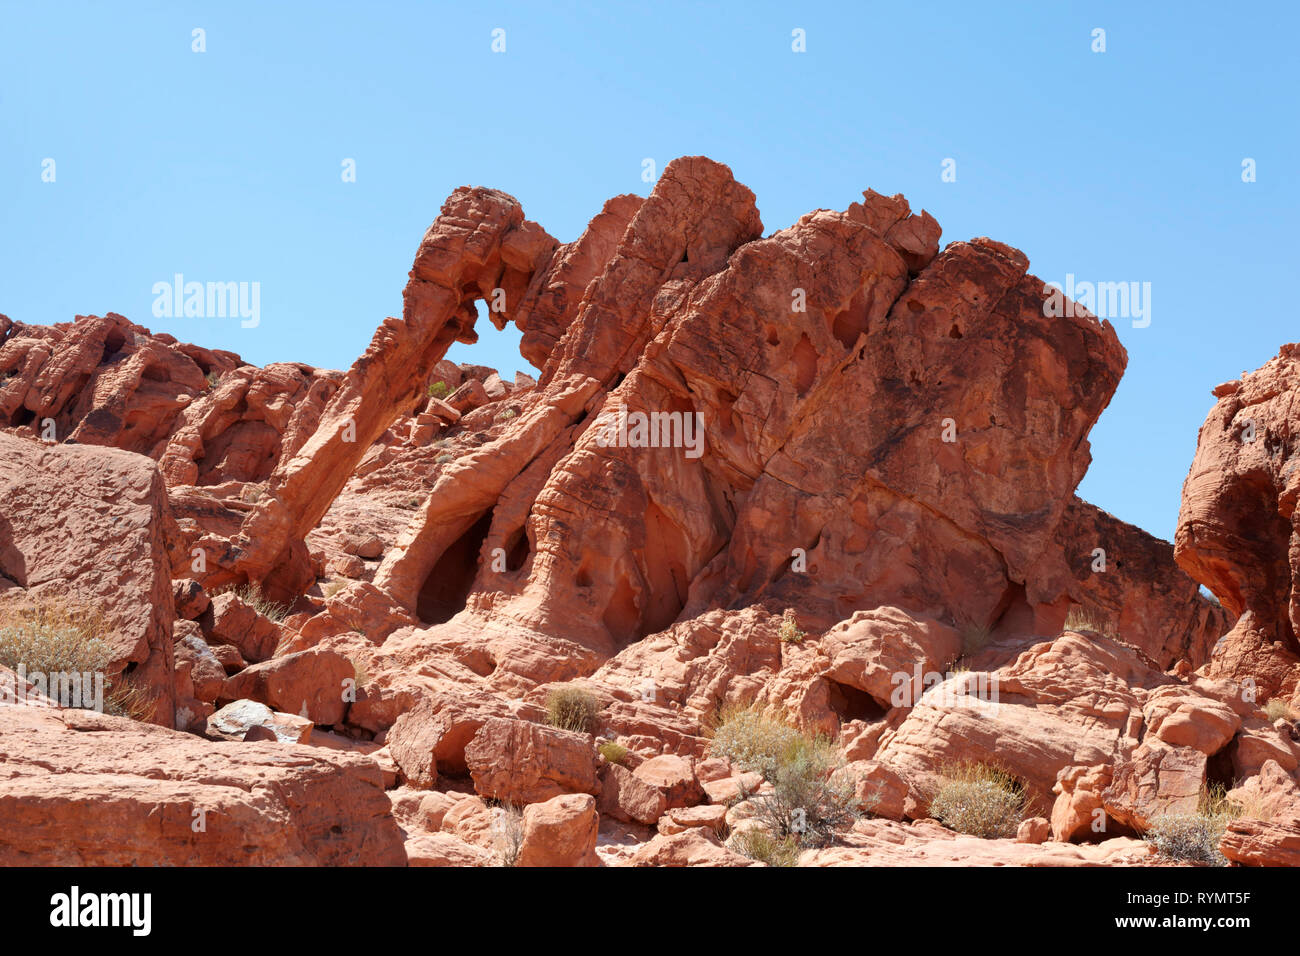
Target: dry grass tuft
{"points": [[572, 708]]}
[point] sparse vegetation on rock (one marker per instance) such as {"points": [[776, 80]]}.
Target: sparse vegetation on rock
{"points": [[572, 708], [63, 647], [979, 800], [584, 571]]}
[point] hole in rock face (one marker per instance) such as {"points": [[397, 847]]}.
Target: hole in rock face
{"points": [[849, 703], [855, 320], [1218, 767], [622, 618], [668, 580], [517, 553], [805, 365], [444, 591], [954, 332], [846, 328], [114, 342]]}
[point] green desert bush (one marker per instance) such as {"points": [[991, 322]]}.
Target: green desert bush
{"points": [[1188, 838], [439, 389], [612, 752], [979, 800], [572, 708], [751, 741], [790, 632], [808, 801]]}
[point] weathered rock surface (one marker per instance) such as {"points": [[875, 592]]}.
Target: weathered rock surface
{"points": [[560, 832], [886, 843], [310, 683], [85, 789], [82, 531], [1236, 529], [520, 762]]}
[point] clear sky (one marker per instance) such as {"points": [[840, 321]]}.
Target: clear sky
{"points": [[226, 165]]}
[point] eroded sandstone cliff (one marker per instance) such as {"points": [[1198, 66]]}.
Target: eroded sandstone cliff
{"points": [[854, 437]]}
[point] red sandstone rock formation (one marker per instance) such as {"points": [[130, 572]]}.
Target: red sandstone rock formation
{"points": [[1236, 528], [400, 562]]}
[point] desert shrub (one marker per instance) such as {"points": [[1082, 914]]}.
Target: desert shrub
{"points": [[1194, 837], [612, 752], [334, 587], [49, 639], [444, 458], [1278, 709], [212, 378], [790, 632], [1188, 838], [979, 800], [751, 741], [508, 414], [762, 846], [439, 389], [251, 594], [572, 708], [808, 803], [360, 675], [507, 833]]}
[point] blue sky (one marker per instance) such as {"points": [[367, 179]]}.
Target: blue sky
{"points": [[226, 165]]}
